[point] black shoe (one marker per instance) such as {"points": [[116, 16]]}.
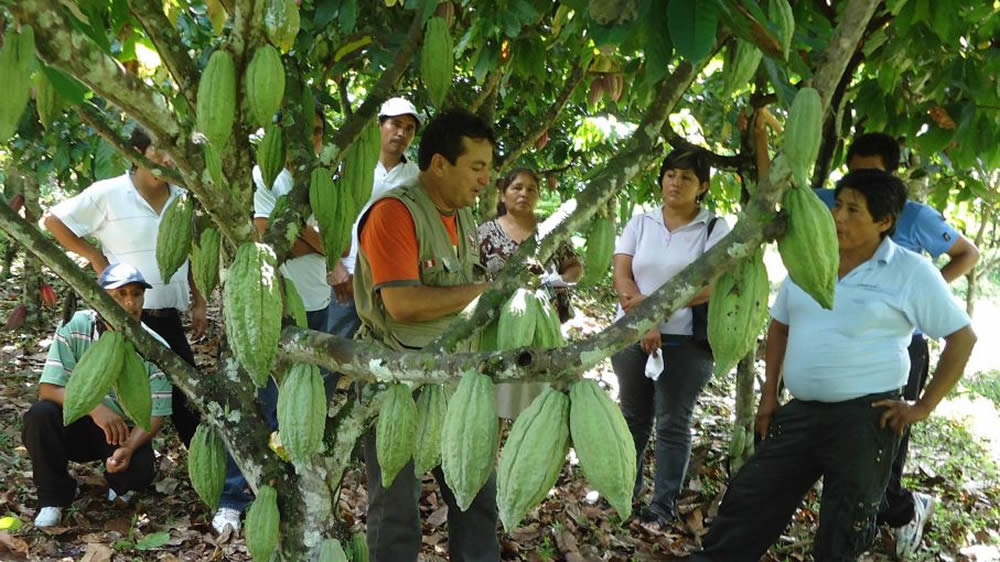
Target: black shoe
{"points": [[654, 519]]}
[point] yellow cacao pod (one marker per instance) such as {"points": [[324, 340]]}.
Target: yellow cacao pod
{"points": [[432, 404], [395, 430], [17, 61], [742, 60], [264, 81], [263, 524], [437, 60], [780, 12], [205, 261], [302, 411], [252, 309], [271, 154], [207, 465], [603, 444], [133, 389], [532, 456], [803, 134], [516, 325], [809, 248], [600, 248], [331, 551], [173, 238], [469, 437], [281, 23], [93, 376], [216, 102], [737, 311]]}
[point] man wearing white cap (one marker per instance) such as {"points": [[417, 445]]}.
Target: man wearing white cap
{"points": [[398, 123]]}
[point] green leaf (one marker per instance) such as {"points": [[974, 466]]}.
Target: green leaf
{"points": [[692, 27], [71, 90], [348, 15], [153, 541], [658, 49], [934, 140], [779, 78], [326, 10]]}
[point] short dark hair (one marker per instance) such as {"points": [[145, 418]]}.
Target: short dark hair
{"points": [[443, 135], [884, 193], [140, 139], [876, 144], [508, 179], [687, 158]]}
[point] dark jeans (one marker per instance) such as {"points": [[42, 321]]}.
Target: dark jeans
{"points": [[670, 400], [167, 323], [840, 441], [393, 526], [236, 492], [897, 504], [51, 446]]}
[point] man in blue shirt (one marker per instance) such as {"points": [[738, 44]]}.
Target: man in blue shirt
{"points": [[845, 420]]}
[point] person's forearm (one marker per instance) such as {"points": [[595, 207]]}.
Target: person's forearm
{"points": [[701, 296], [774, 357], [422, 304], [310, 237], [52, 393], [960, 264], [196, 296], [957, 349], [70, 241], [572, 273], [623, 281]]}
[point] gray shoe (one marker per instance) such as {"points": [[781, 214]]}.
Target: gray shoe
{"points": [[908, 536]]}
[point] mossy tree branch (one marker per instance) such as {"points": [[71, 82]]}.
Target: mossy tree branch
{"points": [[169, 46]]}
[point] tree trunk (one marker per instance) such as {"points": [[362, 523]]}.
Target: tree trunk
{"points": [[971, 291], [31, 274], [741, 442]]}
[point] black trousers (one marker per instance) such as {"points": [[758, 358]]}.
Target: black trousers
{"points": [[51, 446], [840, 441], [167, 323]]}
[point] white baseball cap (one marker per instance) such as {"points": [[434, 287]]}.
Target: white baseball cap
{"points": [[394, 107]]}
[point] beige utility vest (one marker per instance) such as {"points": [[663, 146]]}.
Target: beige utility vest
{"points": [[441, 264]]}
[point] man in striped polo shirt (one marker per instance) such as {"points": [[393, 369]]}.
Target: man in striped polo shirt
{"points": [[105, 433]]}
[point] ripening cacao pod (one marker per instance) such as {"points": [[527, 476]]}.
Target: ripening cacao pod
{"points": [[331, 551], [16, 318], [358, 174], [437, 60], [94, 375], [395, 430], [133, 390], [16, 202], [207, 465], [742, 60], [469, 437], [205, 261], [302, 411], [600, 249], [252, 308], [432, 404], [532, 456], [809, 248], [17, 61], [263, 524], [281, 23], [271, 154], [264, 81], [48, 295], [780, 12], [516, 325], [542, 140], [446, 10], [294, 307], [548, 330], [173, 239], [216, 109], [48, 102], [737, 311], [603, 444], [803, 134]]}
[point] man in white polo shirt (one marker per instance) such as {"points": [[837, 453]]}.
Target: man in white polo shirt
{"points": [[845, 369], [398, 122], [123, 214]]}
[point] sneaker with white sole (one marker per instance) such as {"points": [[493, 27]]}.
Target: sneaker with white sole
{"points": [[48, 516], [908, 536], [226, 517], [120, 499]]}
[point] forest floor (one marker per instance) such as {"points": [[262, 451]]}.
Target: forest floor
{"points": [[954, 456]]}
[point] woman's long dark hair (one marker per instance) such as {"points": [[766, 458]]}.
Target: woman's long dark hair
{"points": [[505, 182]]}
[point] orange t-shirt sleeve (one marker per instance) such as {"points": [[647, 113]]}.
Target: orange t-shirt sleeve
{"points": [[389, 241]]}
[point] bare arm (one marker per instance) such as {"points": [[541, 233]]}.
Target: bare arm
{"points": [[115, 429], [423, 304], [307, 243], [964, 256], [571, 270], [624, 284], [774, 358], [75, 244]]}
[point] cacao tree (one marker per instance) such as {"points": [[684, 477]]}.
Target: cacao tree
{"points": [[589, 91]]}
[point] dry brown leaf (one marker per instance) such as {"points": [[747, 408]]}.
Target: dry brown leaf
{"points": [[97, 552]]}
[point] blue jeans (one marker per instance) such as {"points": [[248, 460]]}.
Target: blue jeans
{"points": [[670, 400], [236, 493]]}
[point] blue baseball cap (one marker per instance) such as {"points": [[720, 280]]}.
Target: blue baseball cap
{"points": [[120, 274]]}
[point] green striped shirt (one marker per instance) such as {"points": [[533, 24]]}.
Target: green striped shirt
{"points": [[73, 338]]}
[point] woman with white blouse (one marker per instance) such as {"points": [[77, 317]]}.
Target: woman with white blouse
{"points": [[654, 247]]}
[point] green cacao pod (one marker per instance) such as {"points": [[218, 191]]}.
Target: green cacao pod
{"points": [[437, 60], [548, 330], [600, 249], [359, 548], [207, 465], [488, 337], [302, 411], [334, 211], [294, 307], [803, 134], [216, 109], [94, 375], [532, 456], [173, 239], [737, 311], [213, 165], [742, 60], [263, 523], [205, 261], [133, 389], [780, 12], [432, 404], [264, 81], [395, 430], [603, 444], [48, 102], [17, 61], [737, 442], [358, 174], [331, 551], [252, 308], [516, 325], [271, 154], [281, 23], [469, 437], [809, 248]]}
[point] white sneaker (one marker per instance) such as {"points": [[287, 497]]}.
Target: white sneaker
{"points": [[48, 516], [226, 517], [908, 536]]}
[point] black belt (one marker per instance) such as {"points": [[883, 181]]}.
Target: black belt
{"points": [[160, 312]]}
